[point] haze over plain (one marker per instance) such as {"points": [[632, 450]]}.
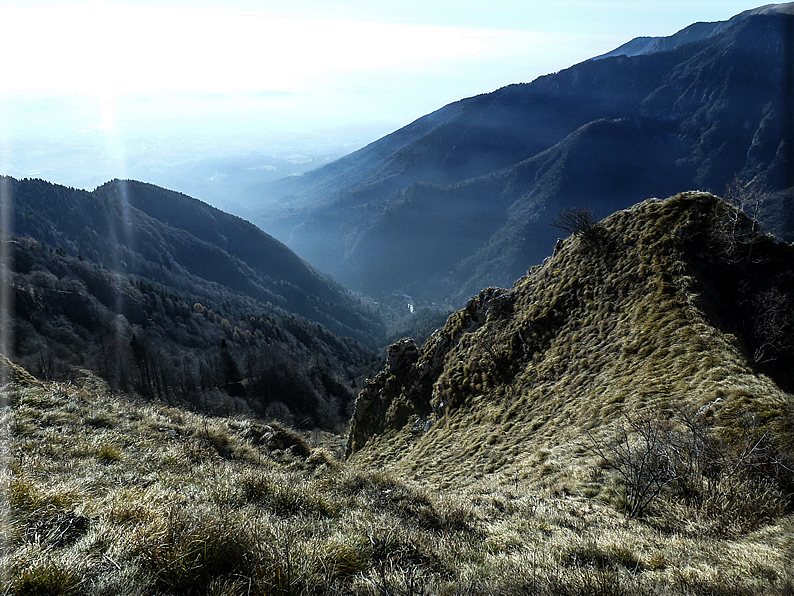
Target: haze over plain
{"points": [[195, 95]]}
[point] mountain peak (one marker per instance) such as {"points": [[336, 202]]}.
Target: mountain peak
{"points": [[695, 32]]}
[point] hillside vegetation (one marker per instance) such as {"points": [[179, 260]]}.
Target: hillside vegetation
{"points": [[164, 296], [671, 305], [106, 495], [169, 238], [498, 458]]}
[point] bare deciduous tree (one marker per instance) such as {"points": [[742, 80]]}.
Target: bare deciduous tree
{"points": [[772, 325], [738, 225]]}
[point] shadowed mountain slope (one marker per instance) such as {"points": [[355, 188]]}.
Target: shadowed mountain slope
{"points": [[667, 307], [167, 297], [461, 198], [168, 237]]}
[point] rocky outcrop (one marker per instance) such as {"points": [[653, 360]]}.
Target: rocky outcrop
{"points": [[408, 387]]}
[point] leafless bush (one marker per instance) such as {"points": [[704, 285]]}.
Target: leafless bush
{"points": [[747, 197], [750, 451], [642, 456], [772, 322], [738, 225], [741, 479], [579, 221]]}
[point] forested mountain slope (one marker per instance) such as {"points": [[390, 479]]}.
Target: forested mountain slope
{"points": [[397, 215], [160, 234], [167, 296]]}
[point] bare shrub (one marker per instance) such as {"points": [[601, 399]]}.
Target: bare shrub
{"points": [[642, 457], [737, 226], [739, 481], [579, 221], [772, 322], [747, 197]]}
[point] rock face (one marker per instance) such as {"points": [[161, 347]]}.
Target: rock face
{"points": [[408, 388], [672, 303]]}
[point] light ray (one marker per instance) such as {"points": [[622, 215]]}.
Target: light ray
{"points": [[6, 321]]}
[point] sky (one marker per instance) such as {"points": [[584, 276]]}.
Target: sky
{"points": [[98, 89]]}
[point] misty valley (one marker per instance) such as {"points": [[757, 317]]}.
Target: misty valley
{"points": [[539, 341]]}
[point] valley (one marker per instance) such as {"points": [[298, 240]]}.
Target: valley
{"points": [[472, 187], [512, 453], [540, 341]]}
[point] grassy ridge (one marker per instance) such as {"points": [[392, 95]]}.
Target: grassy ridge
{"points": [[636, 321]]}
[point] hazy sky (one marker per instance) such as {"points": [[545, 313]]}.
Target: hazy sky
{"points": [[91, 83]]}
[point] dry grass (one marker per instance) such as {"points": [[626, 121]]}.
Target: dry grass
{"points": [[515, 388], [591, 336], [154, 500]]}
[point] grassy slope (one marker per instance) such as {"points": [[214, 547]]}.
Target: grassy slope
{"points": [[108, 496], [595, 333], [499, 496]]}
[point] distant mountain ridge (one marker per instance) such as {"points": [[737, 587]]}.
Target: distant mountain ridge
{"points": [[463, 197], [146, 230], [695, 32]]}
